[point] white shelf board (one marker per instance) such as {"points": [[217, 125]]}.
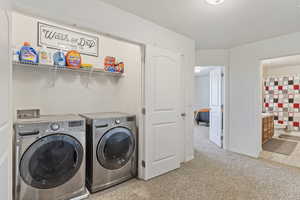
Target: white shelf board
{"points": [[56, 68]]}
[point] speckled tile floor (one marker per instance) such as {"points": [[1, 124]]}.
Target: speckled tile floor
{"points": [[214, 174], [291, 160]]}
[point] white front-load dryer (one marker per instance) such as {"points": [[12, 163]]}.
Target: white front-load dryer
{"points": [[111, 149], [50, 158]]}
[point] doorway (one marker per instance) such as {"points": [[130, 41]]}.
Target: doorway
{"points": [[209, 105], [280, 81]]}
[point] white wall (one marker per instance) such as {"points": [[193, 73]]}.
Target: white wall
{"points": [[5, 106], [245, 89], [101, 17], [280, 70], [75, 92], [202, 91]]}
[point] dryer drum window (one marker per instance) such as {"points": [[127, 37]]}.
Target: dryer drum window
{"points": [[51, 161], [116, 148]]}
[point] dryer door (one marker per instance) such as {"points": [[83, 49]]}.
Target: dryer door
{"points": [[51, 161], [116, 148]]}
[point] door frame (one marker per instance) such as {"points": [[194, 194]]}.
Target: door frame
{"points": [[7, 156], [261, 97], [225, 97]]}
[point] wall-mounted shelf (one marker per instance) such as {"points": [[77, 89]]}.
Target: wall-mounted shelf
{"points": [[57, 69]]}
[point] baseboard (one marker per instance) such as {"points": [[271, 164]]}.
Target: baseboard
{"points": [[189, 158], [84, 196]]}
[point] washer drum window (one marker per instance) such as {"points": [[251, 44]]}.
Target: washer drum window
{"points": [[51, 161], [116, 148]]}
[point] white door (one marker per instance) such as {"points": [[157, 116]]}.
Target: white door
{"points": [[215, 132], [162, 116], [5, 124]]}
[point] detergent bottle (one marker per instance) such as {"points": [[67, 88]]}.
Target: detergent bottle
{"points": [[59, 58], [28, 55], [44, 56]]}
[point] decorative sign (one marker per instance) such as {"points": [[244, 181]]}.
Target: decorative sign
{"points": [[60, 38]]}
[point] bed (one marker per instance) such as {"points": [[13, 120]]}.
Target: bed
{"points": [[202, 116]]}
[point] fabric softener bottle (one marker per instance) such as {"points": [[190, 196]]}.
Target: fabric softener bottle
{"points": [[59, 59]]}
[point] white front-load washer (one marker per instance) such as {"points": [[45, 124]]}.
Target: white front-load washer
{"points": [[111, 149], [50, 158]]}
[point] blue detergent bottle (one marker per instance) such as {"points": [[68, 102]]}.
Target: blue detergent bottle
{"points": [[28, 55], [59, 59]]}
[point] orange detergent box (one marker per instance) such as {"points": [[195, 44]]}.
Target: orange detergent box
{"points": [[109, 63]]}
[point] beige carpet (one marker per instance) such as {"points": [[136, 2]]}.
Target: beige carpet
{"points": [[214, 174]]}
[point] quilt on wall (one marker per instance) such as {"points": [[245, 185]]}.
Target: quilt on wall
{"points": [[282, 98]]}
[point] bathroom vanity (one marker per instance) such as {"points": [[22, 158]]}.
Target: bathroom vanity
{"points": [[267, 127]]}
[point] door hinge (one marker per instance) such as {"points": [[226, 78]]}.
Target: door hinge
{"points": [[144, 111], [143, 164]]}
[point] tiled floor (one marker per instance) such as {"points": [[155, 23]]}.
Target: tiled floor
{"points": [[214, 174], [291, 160]]}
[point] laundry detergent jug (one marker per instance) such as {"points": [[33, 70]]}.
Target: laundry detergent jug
{"points": [[28, 55]]}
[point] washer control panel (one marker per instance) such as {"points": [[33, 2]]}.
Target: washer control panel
{"points": [[55, 126]]}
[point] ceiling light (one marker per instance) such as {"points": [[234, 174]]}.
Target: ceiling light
{"points": [[215, 2]]}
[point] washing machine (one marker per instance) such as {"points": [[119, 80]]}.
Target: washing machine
{"points": [[50, 158], [111, 149]]}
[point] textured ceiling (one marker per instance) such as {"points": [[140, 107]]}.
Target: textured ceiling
{"points": [[233, 23]]}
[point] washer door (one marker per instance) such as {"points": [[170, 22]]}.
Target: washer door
{"points": [[116, 148], [51, 161]]}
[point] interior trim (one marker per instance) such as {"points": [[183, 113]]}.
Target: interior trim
{"points": [[3, 157]]}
